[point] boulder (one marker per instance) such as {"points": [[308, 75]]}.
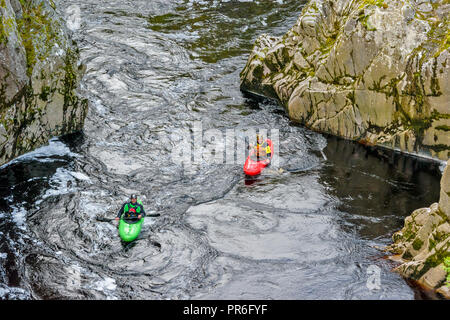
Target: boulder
{"points": [[424, 242], [371, 71]]}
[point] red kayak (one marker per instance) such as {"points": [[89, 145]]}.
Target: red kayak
{"points": [[253, 167]]}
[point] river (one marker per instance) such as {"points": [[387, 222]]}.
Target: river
{"points": [[311, 230]]}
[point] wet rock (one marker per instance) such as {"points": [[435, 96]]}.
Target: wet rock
{"points": [[12, 55], [444, 200], [39, 75], [408, 13], [424, 242], [366, 72], [15, 4]]}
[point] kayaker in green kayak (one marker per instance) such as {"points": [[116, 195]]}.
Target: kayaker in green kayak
{"points": [[131, 209]]}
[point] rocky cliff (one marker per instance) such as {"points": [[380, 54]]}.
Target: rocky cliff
{"points": [[424, 242], [39, 77], [375, 71]]}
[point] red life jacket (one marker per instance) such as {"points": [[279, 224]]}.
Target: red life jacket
{"points": [[131, 212]]}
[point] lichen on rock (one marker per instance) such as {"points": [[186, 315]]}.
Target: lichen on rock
{"points": [[39, 78], [372, 71]]}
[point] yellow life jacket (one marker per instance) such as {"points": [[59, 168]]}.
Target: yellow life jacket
{"points": [[261, 147]]}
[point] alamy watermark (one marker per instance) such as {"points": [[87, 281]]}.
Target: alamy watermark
{"points": [[374, 280], [73, 17], [195, 146], [73, 281]]}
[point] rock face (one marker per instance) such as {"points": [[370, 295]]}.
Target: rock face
{"points": [[424, 242], [375, 71], [39, 77]]}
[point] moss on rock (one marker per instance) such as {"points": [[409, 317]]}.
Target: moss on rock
{"points": [[46, 104], [429, 226]]}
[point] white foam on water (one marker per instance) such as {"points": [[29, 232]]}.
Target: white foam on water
{"points": [[19, 216], [442, 166], [150, 221], [13, 292], [54, 148], [3, 292], [80, 176], [113, 83], [106, 284], [92, 207], [3, 255], [99, 106], [59, 183]]}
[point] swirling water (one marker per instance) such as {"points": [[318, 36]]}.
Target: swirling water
{"points": [[309, 231]]}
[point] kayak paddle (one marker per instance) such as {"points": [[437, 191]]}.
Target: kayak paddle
{"points": [[112, 219]]}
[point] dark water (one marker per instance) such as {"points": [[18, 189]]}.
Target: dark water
{"points": [[309, 231]]}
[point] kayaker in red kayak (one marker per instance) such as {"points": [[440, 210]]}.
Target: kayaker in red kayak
{"points": [[261, 151], [131, 209]]}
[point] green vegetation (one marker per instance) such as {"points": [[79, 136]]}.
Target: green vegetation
{"points": [[52, 4], [3, 33], [328, 44], [445, 43], [70, 79], [436, 115], [378, 3], [438, 237], [431, 262], [439, 36], [417, 244], [38, 32], [39, 29], [364, 20], [434, 86], [439, 147], [447, 269], [409, 233], [6, 25], [407, 255], [3, 101], [443, 128], [46, 90]]}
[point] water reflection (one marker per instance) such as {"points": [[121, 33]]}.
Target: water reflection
{"points": [[378, 188]]}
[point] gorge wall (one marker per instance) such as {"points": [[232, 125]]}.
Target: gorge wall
{"points": [[374, 71], [39, 77]]}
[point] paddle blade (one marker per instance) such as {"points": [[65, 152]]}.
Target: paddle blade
{"points": [[101, 219]]}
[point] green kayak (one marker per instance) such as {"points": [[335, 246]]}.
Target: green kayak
{"points": [[129, 229]]}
